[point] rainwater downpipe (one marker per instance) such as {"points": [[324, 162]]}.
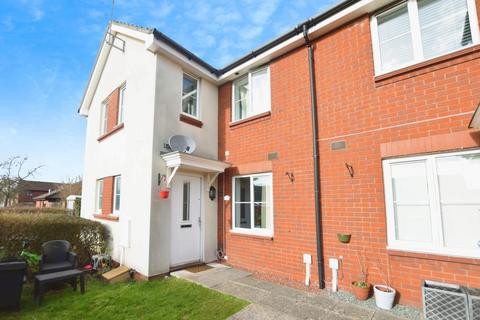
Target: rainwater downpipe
{"points": [[316, 160]]}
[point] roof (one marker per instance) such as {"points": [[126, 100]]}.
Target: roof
{"points": [[29, 185], [155, 41], [49, 195]]}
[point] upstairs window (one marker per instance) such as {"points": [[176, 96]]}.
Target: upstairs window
{"points": [[121, 104], [190, 96], [104, 117], [418, 30], [433, 203], [251, 94], [99, 196]]}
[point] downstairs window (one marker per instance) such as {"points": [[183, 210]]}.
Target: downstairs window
{"points": [[433, 203]]}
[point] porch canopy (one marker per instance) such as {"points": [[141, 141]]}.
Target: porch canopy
{"points": [[180, 160], [475, 122]]}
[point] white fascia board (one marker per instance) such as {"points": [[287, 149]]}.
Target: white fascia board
{"points": [[101, 61], [157, 46], [327, 25], [188, 161], [94, 79]]}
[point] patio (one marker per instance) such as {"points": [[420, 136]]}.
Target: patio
{"points": [[277, 302]]}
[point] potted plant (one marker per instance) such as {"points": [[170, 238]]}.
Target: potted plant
{"points": [[344, 237], [361, 288], [384, 294]]}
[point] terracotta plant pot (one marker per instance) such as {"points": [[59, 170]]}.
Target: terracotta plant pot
{"points": [[344, 237], [164, 194], [359, 292]]}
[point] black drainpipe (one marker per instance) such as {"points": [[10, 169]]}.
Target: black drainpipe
{"points": [[316, 160]]}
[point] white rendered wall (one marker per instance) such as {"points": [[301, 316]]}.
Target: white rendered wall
{"points": [[128, 152], [167, 112]]}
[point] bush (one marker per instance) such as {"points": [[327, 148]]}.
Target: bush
{"points": [[33, 210], [87, 237]]}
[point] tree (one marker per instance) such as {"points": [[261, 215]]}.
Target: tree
{"points": [[71, 186], [12, 174]]}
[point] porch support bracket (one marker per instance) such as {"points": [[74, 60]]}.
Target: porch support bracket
{"points": [[211, 178], [171, 171]]}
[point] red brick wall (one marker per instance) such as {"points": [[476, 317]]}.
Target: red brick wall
{"points": [[408, 113], [113, 109], [107, 200]]}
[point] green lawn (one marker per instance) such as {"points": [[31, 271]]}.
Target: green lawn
{"points": [[159, 299]]}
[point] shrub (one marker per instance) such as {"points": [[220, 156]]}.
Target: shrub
{"points": [[33, 210], [87, 237]]}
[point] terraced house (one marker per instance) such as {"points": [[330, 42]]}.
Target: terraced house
{"points": [[360, 121]]}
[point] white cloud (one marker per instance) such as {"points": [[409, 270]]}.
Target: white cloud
{"points": [[263, 13], [7, 23]]}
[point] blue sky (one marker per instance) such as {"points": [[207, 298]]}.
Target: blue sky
{"points": [[48, 47]]}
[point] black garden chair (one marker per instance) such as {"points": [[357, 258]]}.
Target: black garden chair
{"points": [[56, 256]]}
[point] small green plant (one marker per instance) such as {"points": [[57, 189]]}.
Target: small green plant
{"points": [[361, 284]]}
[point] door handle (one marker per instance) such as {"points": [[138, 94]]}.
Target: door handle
{"points": [[186, 226]]}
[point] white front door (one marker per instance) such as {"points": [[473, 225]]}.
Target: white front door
{"points": [[185, 242]]}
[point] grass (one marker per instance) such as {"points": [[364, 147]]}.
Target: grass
{"points": [[159, 299]]}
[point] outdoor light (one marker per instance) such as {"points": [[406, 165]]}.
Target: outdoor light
{"points": [[212, 193]]}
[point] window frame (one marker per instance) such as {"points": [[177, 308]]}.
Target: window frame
{"points": [[99, 186], [415, 30], [265, 232], [115, 182], [436, 246], [197, 106], [104, 117], [121, 102], [249, 98]]}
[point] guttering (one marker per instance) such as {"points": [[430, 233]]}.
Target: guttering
{"points": [[190, 55], [316, 160], [292, 33]]}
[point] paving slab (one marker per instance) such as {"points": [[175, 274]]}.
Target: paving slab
{"points": [[271, 301]]}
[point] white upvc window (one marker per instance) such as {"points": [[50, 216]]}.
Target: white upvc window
{"points": [[117, 182], [190, 96], [104, 117], [418, 30], [251, 94], [253, 204], [121, 103], [99, 196], [433, 203]]}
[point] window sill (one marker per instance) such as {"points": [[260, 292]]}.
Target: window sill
{"points": [[108, 217], [419, 254], [251, 119], [111, 132], [191, 120], [251, 235], [437, 63]]}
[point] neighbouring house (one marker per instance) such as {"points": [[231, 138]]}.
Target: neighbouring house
{"points": [[29, 189], [52, 199], [356, 121]]}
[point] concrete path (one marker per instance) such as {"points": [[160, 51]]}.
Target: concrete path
{"points": [[277, 302]]}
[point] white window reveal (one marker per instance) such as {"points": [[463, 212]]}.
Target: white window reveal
{"points": [[433, 203], [121, 104], [99, 196], [117, 183], [186, 202], [418, 30], [104, 117], [190, 96], [253, 206], [251, 94]]}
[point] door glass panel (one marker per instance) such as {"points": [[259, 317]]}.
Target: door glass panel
{"points": [[186, 202], [242, 215]]}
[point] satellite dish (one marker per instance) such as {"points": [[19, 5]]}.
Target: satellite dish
{"points": [[182, 143]]}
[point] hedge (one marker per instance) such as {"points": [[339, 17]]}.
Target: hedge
{"points": [[33, 210], [87, 237]]}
